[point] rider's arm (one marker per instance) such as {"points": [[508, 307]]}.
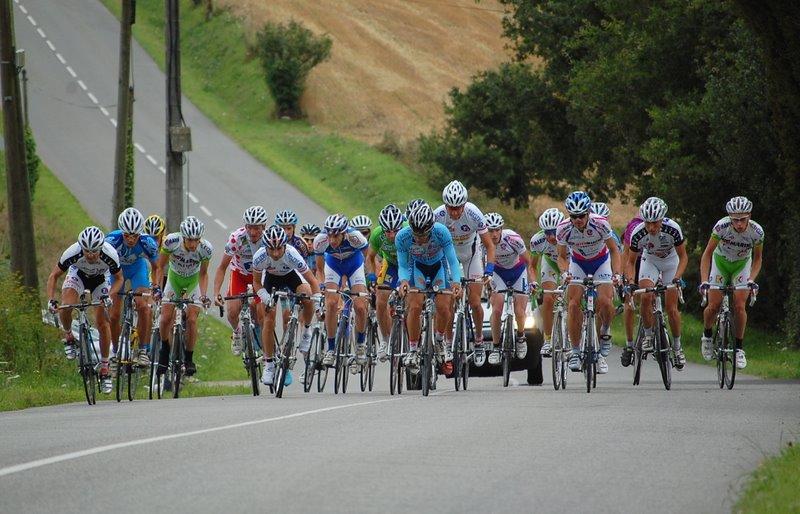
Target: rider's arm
{"points": [[683, 260], [616, 260], [705, 260], [257, 284], [52, 280], [369, 260], [755, 269], [320, 268], [204, 278], [452, 261], [219, 276], [486, 239], [630, 263], [563, 259], [117, 286], [533, 263], [161, 268], [312, 281]]}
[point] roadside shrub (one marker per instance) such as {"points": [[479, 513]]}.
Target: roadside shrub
{"points": [[288, 53], [22, 341], [31, 159]]}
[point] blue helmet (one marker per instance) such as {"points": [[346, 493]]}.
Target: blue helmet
{"points": [[578, 202]]}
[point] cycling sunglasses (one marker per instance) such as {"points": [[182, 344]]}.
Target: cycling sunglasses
{"points": [[578, 216]]}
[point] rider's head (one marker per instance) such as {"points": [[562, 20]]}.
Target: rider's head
{"points": [[652, 211], [275, 241], [308, 232], [495, 222], [335, 227], [421, 221], [131, 223], [287, 219], [578, 205], [91, 242], [455, 197], [549, 221], [363, 224], [391, 221], [739, 209], [192, 230], [255, 219]]}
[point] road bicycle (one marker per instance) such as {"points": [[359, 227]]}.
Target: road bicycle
{"points": [[176, 367], [87, 355], [430, 359], [316, 352], [128, 369], [590, 351], [251, 352], [463, 338], [560, 352]]}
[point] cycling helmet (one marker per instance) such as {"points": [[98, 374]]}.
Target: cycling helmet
{"points": [[454, 194], [413, 204], [285, 217], [601, 209], [361, 222], [550, 219], [91, 239], [154, 225], [131, 221], [192, 228], [578, 202], [739, 205], [255, 215], [274, 237], [390, 218], [309, 229], [335, 223], [494, 220], [653, 209], [421, 219]]}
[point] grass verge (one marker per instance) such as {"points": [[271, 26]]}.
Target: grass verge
{"points": [[775, 486]]}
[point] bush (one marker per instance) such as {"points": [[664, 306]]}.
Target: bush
{"points": [[288, 53], [22, 343]]}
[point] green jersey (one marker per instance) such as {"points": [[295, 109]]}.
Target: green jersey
{"points": [[382, 246]]}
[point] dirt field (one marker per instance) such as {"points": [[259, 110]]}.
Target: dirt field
{"points": [[393, 61]]}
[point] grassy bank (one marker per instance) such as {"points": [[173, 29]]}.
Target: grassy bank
{"points": [[775, 486], [227, 84]]}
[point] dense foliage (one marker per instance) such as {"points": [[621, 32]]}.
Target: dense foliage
{"points": [[632, 99]]}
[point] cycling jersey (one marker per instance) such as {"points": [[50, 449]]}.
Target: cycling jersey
{"points": [[439, 247], [586, 244], [508, 252], [299, 245], [632, 224], [736, 246], [290, 261], [661, 245], [145, 248], [181, 261], [352, 244], [541, 246], [464, 230], [73, 257], [381, 245], [241, 250]]}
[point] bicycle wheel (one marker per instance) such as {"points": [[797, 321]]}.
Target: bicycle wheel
{"points": [[281, 366], [372, 356], [458, 351], [466, 344], [123, 357], [348, 358], [637, 356], [662, 352], [88, 373], [310, 362], [588, 352], [395, 357], [555, 355], [251, 362], [507, 347], [425, 370], [176, 369], [322, 370], [155, 349], [730, 352]]}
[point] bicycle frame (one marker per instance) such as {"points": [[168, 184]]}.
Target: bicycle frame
{"points": [[589, 346], [560, 351]]}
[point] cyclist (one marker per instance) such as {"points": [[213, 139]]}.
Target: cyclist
{"points": [[425, 255], [543, 244], [363, 224], [88, 264], [184, 258], [604, 211], [135, 250], [278, 266], [382, 244], [308, 232], [242, 244], [339, 254], [155, 227], [585, 247], [660, 242], [632, 281], [511, 271], [733, 257], [467, 224], [287, 220]]}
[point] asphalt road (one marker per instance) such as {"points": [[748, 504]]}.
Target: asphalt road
{"points": [[71, 56], [521, 449]]}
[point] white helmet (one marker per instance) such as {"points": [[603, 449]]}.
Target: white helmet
{"points": [[391, 218], [653, 209], [413, 204], [421, 219], [361, 222], [91, 239], [255, 215], [274, 237], [601, 209], [739, 205], [131, 221], [494, 220], [550, 219], [335, 223], [192, 228], [454, 194], [285, 217]]}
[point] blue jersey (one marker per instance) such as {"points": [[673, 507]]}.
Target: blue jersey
{"points": [[351, 246], [439, 247], [146, 248]]}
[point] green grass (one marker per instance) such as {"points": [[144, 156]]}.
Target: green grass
{"points": [[774, 487], [227, 84]]}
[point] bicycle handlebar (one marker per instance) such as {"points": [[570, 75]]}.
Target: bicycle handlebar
{"points": [[729, 289]]}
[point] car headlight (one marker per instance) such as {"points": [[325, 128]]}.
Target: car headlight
{"points": [[530, 321]]}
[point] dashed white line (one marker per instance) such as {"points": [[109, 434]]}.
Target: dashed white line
{"points": [[22, 8], [61, 58], [92, 98], [41, 33], [152, 160], [139, 147], [104, 110], [162, 169], [221, 224], [72, 72], [83, 86], [192, 197], [205, 210], [113, 121], [30, 19], [51, 45]]}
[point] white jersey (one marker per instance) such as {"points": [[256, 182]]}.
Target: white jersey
{"points": [[541, 246], [464, 230], [241, 250], [289, 262], [509, 251], [736, 246], [352, 244], [586, 244], [182, 261], [661, 245], [73, 257]]}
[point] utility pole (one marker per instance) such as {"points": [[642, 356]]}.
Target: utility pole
{"points": [[20, 217], [123, 110], [178, 135]]}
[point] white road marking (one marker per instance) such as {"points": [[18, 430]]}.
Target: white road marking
{"points": [[22, 8], [41, 33], [10, 470], [221, 224], [139, 147], [61, 58], [152, 160], [83, 86], [205, 210], [113, 121], [72, 72], [51, 45], [92, 98], [162, 169], [192, 197], [30, 19], [104, 110]]}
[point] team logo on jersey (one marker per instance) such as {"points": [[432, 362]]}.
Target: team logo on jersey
{"points": [[465, 228]]}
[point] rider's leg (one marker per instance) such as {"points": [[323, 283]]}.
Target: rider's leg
{"points": [[575, 315], [268, 330], [68, 296], [384, 316], [496, 301]]}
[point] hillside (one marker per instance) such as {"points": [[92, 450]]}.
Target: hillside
{"points": [[393, 61]]}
